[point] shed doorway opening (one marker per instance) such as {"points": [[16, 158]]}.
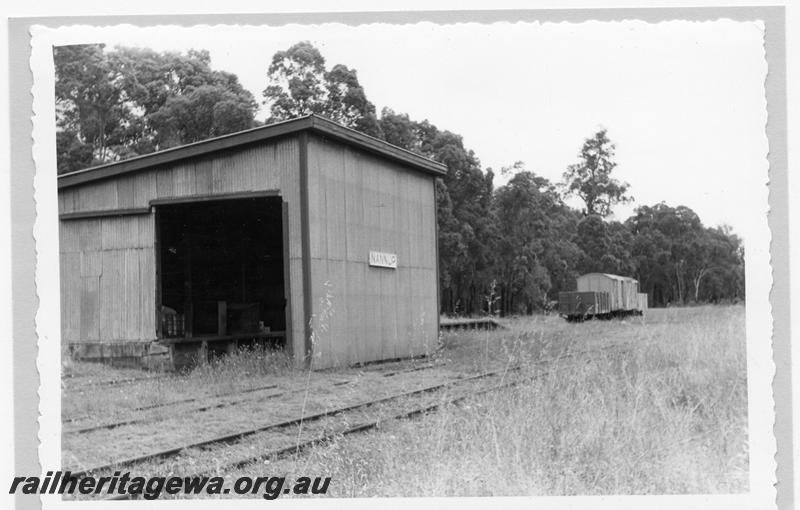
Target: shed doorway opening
{"points": [[221, 273]]}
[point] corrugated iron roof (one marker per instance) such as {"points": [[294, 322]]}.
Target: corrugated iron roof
{"points": [[613, 277], [313, 123]]}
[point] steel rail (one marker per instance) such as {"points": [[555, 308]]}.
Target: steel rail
{"points": [[296, 448], [155, 419], [239, 435], [249, 390], [362, 427], [118, 382]]}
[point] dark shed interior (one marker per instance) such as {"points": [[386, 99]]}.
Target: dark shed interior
{"points": [[221, 270]]}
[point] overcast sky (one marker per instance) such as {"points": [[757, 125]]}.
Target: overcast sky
{"points": [[683, 101]]}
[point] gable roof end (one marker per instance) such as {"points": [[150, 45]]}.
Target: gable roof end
{"points": [[312, 123]]}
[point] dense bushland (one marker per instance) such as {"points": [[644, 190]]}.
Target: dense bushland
{"points": [[504, 250]]}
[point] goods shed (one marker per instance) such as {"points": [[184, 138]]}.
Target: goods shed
{"points": [[303, 234]]}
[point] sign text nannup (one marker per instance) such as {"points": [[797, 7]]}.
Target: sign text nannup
{"points": [[380, 259]]}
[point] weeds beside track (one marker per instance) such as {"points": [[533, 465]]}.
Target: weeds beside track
{"points": [[284, 432]]}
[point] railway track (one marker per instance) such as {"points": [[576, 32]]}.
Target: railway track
{"points": [[410, 411], [85, 381], [374, 423], [207, 407], [198, 409], [413, 369], [242, 434], [116, 382], [288, 437], [173, 403]]}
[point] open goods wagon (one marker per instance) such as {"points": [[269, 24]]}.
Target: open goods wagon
{"points": [[602, 295]]}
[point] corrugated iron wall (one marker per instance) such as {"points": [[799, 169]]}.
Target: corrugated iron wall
{"points": [[108, 256], [623, 291], [360, 203], [108, 279]]}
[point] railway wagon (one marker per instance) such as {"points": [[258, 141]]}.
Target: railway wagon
{"points": [[584, 303], [642, 299], [602, 295]]}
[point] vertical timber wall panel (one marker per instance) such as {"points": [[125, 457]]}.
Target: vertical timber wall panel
{"points": [[390, 242], [370, 241], [403, 313], [335, 207], [109, 263], [360, 203], [102, 281]]}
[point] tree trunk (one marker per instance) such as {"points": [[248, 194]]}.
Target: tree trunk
{"points": [[679, 280], [700, 274]]}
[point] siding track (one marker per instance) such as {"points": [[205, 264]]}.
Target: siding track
{"points": [[205, 407], [291, 437], [238, 436]]}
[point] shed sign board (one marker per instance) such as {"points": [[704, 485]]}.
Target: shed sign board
{"points": [[380, 259]]}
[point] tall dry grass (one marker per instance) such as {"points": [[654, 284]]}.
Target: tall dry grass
{"points": [[663, 412]]}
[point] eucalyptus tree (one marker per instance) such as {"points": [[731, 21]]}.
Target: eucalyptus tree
{"points": [[114, 104], [299, 84], [590, 178]]}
